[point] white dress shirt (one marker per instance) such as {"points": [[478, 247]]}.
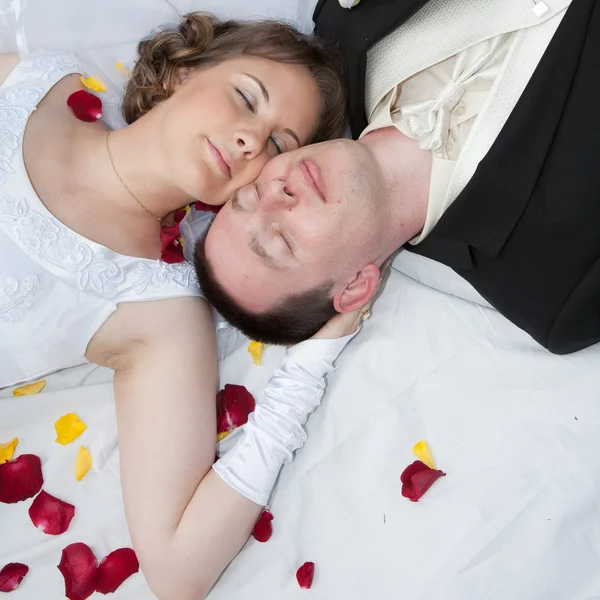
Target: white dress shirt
{"points": [[450, 77], [438, 107]]}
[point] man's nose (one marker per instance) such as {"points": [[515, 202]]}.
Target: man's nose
{"points": [[277, 194]]}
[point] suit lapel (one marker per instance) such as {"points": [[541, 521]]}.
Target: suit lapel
{"points": [[487, 210], [527, 49]]}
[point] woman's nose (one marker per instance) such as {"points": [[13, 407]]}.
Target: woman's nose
{"points": [[251, 143]]}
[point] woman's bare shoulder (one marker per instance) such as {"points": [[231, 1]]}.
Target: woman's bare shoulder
{"points": [[156, 322], [7, 63]]}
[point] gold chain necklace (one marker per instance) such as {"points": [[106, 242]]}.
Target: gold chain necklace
{"points": [[112, 162]]}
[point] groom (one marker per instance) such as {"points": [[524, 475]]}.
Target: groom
{"points": [[479, 148]]}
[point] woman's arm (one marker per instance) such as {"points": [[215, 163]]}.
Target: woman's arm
{"points": [[7, 63], [186, 523], [165, 383]]}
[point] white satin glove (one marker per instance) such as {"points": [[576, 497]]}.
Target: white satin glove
{"points": [[274, 430]]}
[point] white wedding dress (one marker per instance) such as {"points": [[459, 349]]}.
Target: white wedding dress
{"points": [[57, 287]]}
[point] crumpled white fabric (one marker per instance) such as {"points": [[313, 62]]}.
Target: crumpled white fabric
{"points": [[8, 26], [274, 430], [192, 227], [71, 26], [515, 428]]}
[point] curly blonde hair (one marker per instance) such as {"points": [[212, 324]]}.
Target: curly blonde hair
{"points": [[201, 40]]}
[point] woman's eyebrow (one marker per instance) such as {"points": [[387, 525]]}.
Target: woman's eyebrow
{"points": [[261, 85]]}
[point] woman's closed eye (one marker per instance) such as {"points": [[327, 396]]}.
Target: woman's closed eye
{"points": [[247, 100], [251, 106], [277, 144]]}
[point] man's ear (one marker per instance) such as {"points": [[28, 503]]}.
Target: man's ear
{"points": [[359, 291]]}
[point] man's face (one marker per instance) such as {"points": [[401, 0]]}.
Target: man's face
{"points": [[310, 217]]}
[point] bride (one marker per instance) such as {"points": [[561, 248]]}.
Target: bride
{"points": [[80, 277]]}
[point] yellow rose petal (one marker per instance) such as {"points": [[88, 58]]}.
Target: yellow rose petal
{"points": [[423, 453], [83, 463], [68, 428], [7, 450], [123, 69], [30, 389], [93, 83], [256, 350], [222, 435]]}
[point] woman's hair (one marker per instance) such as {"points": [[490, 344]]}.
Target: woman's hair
{"points": [[201, 40]]}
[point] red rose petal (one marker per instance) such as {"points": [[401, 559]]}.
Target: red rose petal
{"points": [[50, 514], [207, 207], [417, 478], [263, 530], [173, 254], [234, 404], [20, 478], [79, 568], [305, 575], [85, 106], [115, 568], [172, 251], [11, 576], [179, 215], [411, 470], [168, 235]]}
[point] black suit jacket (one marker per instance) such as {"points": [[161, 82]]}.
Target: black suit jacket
{"points": [[525, 232]]}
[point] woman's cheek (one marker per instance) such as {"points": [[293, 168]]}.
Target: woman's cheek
{"points": [[260, 163], [250, 172]]}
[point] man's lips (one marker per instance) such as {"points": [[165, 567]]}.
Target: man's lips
{"points": [[220, 161], [312, 175]]}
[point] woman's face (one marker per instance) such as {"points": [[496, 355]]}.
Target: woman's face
{"points": [[223, 123]]}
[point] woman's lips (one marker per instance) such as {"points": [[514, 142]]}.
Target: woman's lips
{"points": [[222, 164], [313, 177]]}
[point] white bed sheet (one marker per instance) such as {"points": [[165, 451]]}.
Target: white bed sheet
{"points": [[515, 428], [71, 26]]}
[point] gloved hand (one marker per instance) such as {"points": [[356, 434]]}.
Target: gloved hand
{"points": [[274, 430]]}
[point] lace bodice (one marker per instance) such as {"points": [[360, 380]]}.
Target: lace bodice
{"points": [[56, 286]]}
